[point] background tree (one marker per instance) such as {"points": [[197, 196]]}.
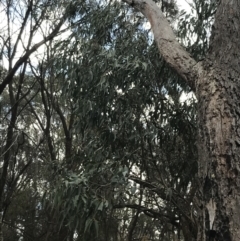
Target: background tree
{"points": [[22, 22]]}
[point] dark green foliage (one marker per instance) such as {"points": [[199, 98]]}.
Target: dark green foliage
{"points": [[195, 29], [128, 114]]}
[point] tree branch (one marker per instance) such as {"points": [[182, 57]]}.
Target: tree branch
{"points": [[149, 212], [25, 57], [173, 53]]}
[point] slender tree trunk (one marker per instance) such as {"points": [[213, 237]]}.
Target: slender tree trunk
{"points": [[1, 225]]}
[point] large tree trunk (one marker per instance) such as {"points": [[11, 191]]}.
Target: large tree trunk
{"points": [[216, 83], [218, 93]]}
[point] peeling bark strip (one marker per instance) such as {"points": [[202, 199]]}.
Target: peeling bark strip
{"points": [[173, 53], [216, 83]]}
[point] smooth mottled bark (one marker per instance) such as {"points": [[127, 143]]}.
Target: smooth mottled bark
{"points": [[216, 83], [173, 53]]}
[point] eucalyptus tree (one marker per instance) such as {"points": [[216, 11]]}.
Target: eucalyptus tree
{"points": [[215, 83], [118, 138]]}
